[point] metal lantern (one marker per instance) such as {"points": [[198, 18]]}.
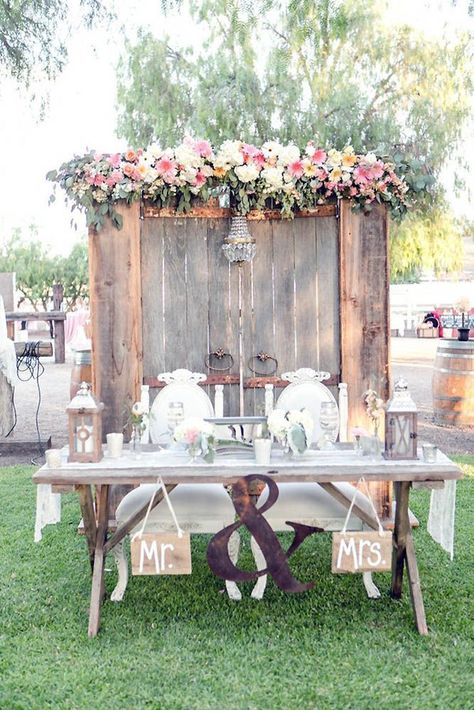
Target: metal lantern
{"points": [[85, 427], [401, 424], [239, 245]]}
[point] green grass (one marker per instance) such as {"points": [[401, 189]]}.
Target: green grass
{"points": [[180, 643]]}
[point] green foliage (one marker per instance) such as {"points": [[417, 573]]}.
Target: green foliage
{"points": [[432, 241], [37, 270], [334, 70], [32, 34], [178, 642]]}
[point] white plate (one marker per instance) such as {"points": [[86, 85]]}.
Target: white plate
{"points": [[195, 401], [308, 395]]}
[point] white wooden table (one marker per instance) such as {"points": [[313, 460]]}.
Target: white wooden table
{"points": [[321, 467]]}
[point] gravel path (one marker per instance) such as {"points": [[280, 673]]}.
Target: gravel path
{"points": [[412, 358]]}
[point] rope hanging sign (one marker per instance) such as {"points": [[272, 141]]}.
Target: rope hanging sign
{"points": [[366, 551], [158, 553]]}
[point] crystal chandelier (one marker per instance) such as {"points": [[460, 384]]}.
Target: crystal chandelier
{"points": [[239, 246]]}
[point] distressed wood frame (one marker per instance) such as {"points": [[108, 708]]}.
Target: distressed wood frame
{"points": [[116, 307]]}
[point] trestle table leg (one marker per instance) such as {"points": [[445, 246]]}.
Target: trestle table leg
{"points": [[404, 554], [97, 591]]}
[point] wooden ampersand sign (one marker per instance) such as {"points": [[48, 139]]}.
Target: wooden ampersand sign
{"points": [[253, 519]]}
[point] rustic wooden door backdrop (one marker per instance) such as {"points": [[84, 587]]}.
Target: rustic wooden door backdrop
{"points": [[163, 296], [190, 305]]}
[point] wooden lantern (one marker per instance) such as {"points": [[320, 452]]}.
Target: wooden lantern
{"points": [[85, 427], [401, 424]]}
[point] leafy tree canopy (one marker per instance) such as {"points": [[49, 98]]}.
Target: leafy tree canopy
{"points": [[333, 70], [336, 71], [33, 33]]}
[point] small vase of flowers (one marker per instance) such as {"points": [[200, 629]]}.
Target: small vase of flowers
{"points": [[199, 438], [372, 446], [293, 429]]}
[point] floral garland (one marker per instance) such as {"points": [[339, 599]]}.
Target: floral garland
{"points": [[273, 176]]}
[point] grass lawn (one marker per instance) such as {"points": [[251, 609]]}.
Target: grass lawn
{"points": [[180, 643]]}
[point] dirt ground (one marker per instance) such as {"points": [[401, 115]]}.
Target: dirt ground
{"points": [[412, 358]]}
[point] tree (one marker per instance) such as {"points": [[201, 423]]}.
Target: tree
{"points": [[32, 34], [37, 270], [331, 70], [431, 241]]}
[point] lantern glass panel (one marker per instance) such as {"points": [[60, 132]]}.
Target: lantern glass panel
{"points": [[84, 434], [401, 434]]}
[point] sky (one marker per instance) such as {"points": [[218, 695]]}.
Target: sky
{"points": [[81, 114]]}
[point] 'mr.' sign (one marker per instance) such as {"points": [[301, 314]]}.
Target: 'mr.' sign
{"points": [[161, 553]]}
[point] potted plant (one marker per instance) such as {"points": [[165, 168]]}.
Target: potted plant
{"points": [[463, 329]]}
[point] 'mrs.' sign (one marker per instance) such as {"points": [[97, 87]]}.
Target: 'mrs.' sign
{"points": [[361, 552]]}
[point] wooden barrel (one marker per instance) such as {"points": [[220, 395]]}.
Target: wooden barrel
{"points": [[82, 370], [453, 383]]}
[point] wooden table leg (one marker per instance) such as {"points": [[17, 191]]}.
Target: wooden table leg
{"points": [[59, 342], [97, 592], [415, 587], [400, 531], [404, 554], [88, 517]]}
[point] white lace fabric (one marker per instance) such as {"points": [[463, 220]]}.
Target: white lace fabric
{"points": [[441, 516]]}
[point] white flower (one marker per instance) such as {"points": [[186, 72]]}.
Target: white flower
{"points": [[138, 409], [288, 154], [187, 157], [273, 177], [271, 149], [369, 159], [334, 158], [155, 150], [247, 173], [188, 175], [150, 175], [230, 152], [277, 423]]}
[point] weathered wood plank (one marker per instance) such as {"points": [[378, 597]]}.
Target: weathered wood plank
{"points": [[223, 307], [116, 320], [364, 317], [44, 348], [328, 294], [210, 211], [197, 297], [263, 313], [364, 306], [97, 591], [6, 406], [152, 267], [284, 297], [174, 279], [306, 302]]}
